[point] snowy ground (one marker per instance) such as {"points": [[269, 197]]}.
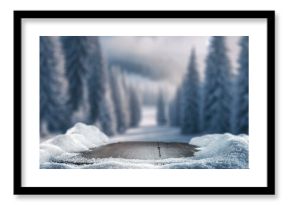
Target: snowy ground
{"points": [[215, 151], [223, 151], [152, 134]]}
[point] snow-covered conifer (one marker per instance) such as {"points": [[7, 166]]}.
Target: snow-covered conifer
{"points": [[97, 78], [190, 97], [161, 110], [175, 109], [243, 88], [107, 119], [86, 76], [118, 97], [135, 107], [218, 96], [53, 116], [172, 113], [126, 98], [76, 68]]}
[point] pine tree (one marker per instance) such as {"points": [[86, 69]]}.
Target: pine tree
{"points": [[218, 99], [126, 99], [201, 107], [190, 99], [135, 108], [175, 109], [53, 116], [178, 100], [118, 97], [172, 113], [107, 118], [243, 88], [76, 69], [161, 110], [96, 78], [86, 75]]}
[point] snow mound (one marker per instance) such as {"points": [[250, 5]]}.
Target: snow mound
{"points": [[79, 138], [222, 150]]}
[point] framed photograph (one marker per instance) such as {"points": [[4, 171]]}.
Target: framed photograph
{"points": [[144, 102]]}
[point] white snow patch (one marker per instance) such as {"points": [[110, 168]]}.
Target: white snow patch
{"points": [[223, 150], [79, 138]]}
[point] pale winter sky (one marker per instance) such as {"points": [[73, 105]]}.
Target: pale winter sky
{"points": [[169, 53]]}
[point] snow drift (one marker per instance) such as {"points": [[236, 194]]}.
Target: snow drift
{"points": [[222, 150], [216, 151], [79, 138]]}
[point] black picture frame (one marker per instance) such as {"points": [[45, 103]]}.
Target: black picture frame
{"points": [[19, 189]]}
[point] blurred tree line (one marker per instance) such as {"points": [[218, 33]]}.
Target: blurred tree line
{"points": [[220, 103], [76, 85]]}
